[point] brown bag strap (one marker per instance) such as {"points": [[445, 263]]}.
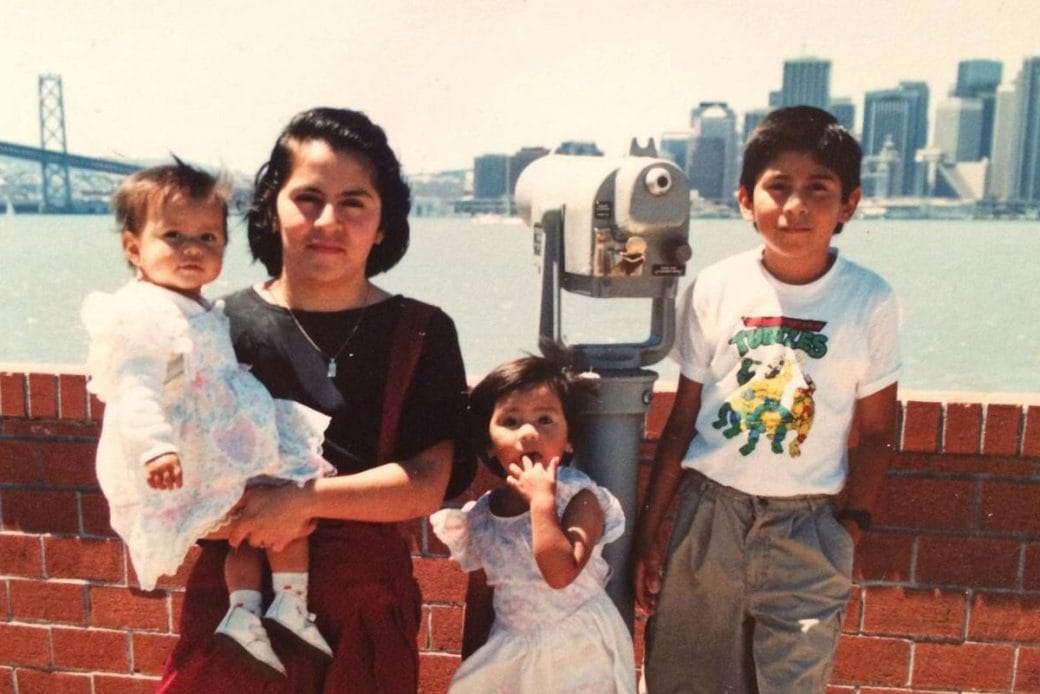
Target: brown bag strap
{"points": [[405, 349]]}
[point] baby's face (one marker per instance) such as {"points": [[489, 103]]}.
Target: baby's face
{"points": [[528, 423], [180, 246]]}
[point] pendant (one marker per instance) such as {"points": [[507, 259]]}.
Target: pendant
{"points": [[331, 372]]}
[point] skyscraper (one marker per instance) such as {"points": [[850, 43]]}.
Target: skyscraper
{"points": [[1006, 158], [713, 151], [1028, 87], [979, 79], [844, 111], [490, 175], [751, 120], [958, 128], [676, 146], [902, 115], [807, 81]]}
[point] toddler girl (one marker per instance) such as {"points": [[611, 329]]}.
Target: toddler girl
{"points": [[536, 543], [185, 428]]}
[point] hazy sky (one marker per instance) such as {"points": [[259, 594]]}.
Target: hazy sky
{"points": [[215, 81]]}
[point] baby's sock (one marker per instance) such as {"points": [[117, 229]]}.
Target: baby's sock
{"points": [[295, 582], [250, 600]]}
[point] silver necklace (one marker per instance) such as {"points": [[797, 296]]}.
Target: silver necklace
{"points": [[330, 372]]}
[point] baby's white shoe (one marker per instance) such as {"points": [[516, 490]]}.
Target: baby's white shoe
{"points": [[242, 635], [288, 615]]}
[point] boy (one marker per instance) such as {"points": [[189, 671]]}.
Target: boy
{"points": [[780, 349]]}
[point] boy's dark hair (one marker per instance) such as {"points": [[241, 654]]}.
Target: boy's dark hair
{"points": [[803, 129], [347, 132], [519, 374], [150, 189]]}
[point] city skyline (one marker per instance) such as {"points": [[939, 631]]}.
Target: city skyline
{"points": [[216, 82]]}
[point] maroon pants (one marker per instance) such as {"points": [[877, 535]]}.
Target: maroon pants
{"points": [[367, 605]]}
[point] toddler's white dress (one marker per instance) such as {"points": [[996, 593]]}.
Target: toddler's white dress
{"points": [[164, 366], [543, 640]]}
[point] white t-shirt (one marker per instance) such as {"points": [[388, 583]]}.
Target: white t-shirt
{"points": [[782, 367]]}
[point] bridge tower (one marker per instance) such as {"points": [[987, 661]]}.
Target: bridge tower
{"points": [[57, 190]]}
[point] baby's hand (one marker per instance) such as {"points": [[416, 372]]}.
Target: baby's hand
{"points": [[534, 480], [164, 472]]}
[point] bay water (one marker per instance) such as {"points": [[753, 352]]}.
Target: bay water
{"points": [[970, 290]]}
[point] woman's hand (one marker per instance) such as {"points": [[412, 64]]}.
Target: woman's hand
{"points": [[535, 481], [271, 517], [648, 576]]}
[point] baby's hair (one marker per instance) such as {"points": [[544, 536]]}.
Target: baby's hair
{"points": [[150, 189], [519, 374], [803, 129]]}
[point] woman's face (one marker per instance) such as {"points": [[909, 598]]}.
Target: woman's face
{"points": [[328, 216]]}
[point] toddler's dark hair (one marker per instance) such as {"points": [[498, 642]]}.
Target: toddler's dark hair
{"points": [[519, 374], [150, 189], [803, 129]]}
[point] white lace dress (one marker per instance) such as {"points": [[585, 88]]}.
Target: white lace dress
{"points": [[543, 640], [164, 366]]}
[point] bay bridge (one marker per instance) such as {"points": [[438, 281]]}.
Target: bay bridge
{"points": [[50, 179]]}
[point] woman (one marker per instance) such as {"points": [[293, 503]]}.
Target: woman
{"points": [[330, 210]]}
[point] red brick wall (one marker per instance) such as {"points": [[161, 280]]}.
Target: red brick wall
{"points": [[947, 595]]}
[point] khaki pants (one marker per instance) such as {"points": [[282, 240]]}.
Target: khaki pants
{"points": [[754, 594]]}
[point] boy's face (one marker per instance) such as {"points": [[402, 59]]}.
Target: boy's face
{"points": [[796, 205], [180, 246], [528, 423]]}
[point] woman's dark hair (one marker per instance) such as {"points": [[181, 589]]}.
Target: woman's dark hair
{"points": [[803, 129], [519, 374], [348, 132]]}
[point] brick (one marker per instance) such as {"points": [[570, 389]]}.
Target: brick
{"points": [[966, 466], [12, 395], [20, 555], [124, 684], [72, 396], [1011, 508], [123, 608], [921, 426], [90, 649], [50, 428], [70, 464], [43, 396], [435, 672], [913, 462], [24, 644], [926, 504], [446, 629], [422, 639], [901, 611], [867, 660], [657, 416], [963, 666], [883, 557], [1031, 576], [95, 513], [19, 462], [48, 601], [853, 611], [149, 651], [36, 682], [440, 580], [963, 430], [1027, 674], [37, 511], [176, 608], [86, 558], [434, 547], [1003, 430], [967, 561], [96, 407], [6, 680], [1031, 436], [1005, 617]]}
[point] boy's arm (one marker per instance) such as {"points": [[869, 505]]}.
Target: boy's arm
{"points": [[664, 480], [480, 613], [870, 459]]}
